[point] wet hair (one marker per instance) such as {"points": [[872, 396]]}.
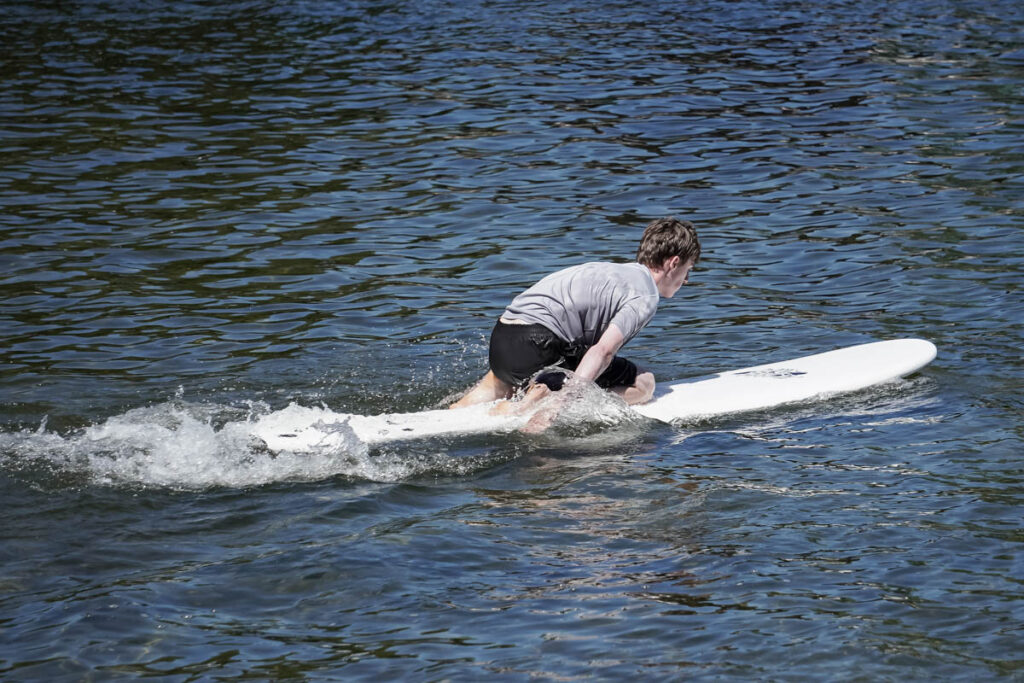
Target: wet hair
{"points": [[665, 238]]}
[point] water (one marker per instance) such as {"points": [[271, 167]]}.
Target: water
{"points": [[213, 210]]}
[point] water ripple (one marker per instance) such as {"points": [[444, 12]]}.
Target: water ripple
{"points": [[210, 207]]}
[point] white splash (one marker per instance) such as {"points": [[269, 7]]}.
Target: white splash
{"points": [[178, 445], [185, 445]]}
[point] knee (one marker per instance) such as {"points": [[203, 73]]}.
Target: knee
{"points": [[645, 385]]}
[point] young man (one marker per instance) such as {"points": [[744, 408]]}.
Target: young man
{"points": [[579, 317]]}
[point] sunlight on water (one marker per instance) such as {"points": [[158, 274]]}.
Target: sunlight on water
{"points": [[309, 214]]}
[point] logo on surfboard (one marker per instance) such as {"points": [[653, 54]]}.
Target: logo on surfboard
{"points": [[778, 373]]}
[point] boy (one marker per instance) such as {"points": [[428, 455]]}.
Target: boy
{"points": [[579, 317]]}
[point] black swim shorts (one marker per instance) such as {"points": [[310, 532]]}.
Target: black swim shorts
{"points": [[517, 352]]}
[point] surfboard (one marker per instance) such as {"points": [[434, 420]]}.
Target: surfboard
{"points": [[816, 377], [791, 381]]}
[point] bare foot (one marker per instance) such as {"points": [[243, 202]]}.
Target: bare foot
{"points": [[545, 415], [504, 407], [529, 401], [536, 393]]}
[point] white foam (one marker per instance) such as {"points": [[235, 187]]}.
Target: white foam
{"points": [[185, 446], [194, 446]]}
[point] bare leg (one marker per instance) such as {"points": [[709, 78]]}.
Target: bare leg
{"points": [[641, 391], [490, 388]]}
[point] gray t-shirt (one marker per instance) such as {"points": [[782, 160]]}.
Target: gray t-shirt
{"points": [[579, 303]]}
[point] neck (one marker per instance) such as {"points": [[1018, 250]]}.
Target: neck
{"points": [[658, 274]]}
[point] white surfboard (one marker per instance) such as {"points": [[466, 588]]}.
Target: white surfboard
{"points": [[299, 428], [791, 381]]}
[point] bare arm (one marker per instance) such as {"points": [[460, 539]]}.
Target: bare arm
{"points": [[595, 361], [599, 356]]}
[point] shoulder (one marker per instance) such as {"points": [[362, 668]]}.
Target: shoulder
{"points": [[639, 278], [622, 271]]}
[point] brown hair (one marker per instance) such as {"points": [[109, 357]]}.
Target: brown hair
{"points": [[665, 238]]}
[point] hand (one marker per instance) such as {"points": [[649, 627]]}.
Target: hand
{"points": [[539, 423]]}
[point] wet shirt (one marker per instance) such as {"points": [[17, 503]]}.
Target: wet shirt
{"points": [[579, 303]]}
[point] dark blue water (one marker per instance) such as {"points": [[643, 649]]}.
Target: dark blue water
{"points": [[209, 211]]}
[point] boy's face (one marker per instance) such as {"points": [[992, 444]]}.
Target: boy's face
{"points": [[677, 273]]}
